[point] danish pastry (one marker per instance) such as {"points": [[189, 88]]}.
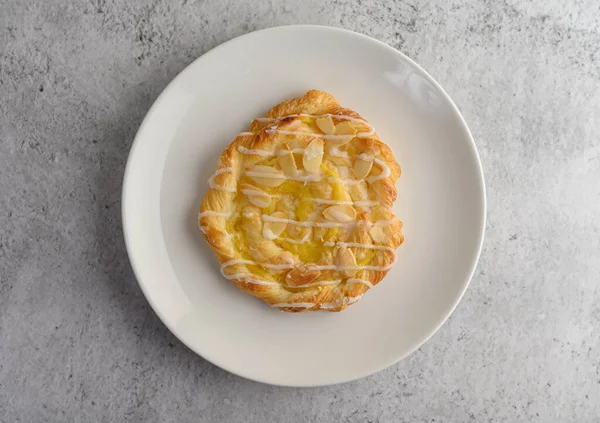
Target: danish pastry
{"points": [[299, 210]]}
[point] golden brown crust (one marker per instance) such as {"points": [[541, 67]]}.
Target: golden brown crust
{"points": [[287, 214]]}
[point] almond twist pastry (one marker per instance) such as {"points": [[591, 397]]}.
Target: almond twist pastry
{"points": [[299, 211]]}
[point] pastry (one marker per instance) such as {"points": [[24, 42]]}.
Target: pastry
{"points": [[299, 210]]}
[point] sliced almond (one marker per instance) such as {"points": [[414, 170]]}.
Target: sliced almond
{"points": [[345, 128], [343, 171], [256, 196], [299, 233], [301, 275], [341, 213], [287, 161], [272, 230], [266, 175], [313, 155], [344, 132], [326, 125], [345, 258], [378, 234], [362, 166]]}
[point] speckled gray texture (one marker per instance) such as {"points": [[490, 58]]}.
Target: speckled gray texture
{"points": [[78, 342]]}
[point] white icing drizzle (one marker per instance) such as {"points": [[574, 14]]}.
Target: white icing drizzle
{"points": [[253, 263], [310, 223], [244, 134], [360, 203], [338, 268], [317, 283], [294, 241], [213, 185], [247, 277], [264, 153], [358, 245], [385, 171], [350, 203], [339, 117], [204, 229], [299, 177], [274, 130], [213, 213]]}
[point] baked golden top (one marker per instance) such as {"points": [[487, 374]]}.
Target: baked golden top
{"points": [[299, 211]]}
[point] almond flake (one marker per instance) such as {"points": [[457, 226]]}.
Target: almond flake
{"points": [[341, 213], [287, 161], [345, 128], [266, 175], [256, 196], [362, 167], [378, 234], [272, 230], [326, 125], [345, 258], [313, 155], [301, 275]]}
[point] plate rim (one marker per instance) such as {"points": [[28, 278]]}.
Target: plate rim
{"points": [[135, 265]]}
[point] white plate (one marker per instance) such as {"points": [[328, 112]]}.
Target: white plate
{"points": [[441, 201]]}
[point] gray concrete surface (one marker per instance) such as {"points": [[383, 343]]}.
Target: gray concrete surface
{"points": [[78, 342]]}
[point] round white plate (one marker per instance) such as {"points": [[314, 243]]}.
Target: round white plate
{"points": [[441, 199]]}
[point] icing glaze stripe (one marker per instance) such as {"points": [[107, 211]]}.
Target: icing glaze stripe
{"points": [[313, 267], [350, 203], [213, 185], [247, 277], [264, 153], [357, 245], [339, 117], [385, 172], [213, 213], [317, 283], [309, 223], [294, 241], [302, 178], [338, 268]]}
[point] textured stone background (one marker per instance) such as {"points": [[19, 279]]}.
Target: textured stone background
{"points": [[78, 342]]}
